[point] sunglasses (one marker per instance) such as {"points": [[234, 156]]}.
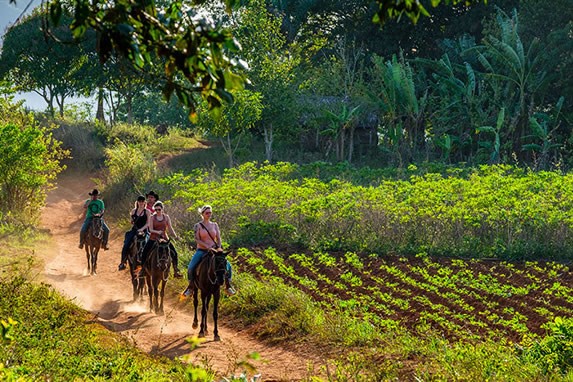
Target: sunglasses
{"points": [[158, 209], [207, 212]]}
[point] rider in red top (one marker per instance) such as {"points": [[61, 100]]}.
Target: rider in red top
{"points": [[158, 226]]}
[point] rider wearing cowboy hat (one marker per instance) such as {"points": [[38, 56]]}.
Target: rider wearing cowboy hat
{"points": [[94, 207]]}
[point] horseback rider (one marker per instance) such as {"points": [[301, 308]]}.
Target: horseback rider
{"points": [[208, 235], [158, 225], [152, 197], [139, 215], [94, 207]]}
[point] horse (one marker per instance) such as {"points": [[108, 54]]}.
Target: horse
{"points": [[210, 275], [156, 269], [133, 257], [93, 240]]}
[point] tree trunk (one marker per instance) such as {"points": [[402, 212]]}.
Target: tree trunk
{"points": [[268, 135], [128, 100], [351, 143], [100, 116]]}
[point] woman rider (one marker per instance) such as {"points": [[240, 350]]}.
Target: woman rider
{"points": [[207, 235], [158, 225], [139, 217]]}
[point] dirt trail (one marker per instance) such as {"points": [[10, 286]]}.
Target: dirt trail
{"points": [[108, 296]]}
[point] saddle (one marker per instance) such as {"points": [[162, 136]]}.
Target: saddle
{"points": [[202, 262]]}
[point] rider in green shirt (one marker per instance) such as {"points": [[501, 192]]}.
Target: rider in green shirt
{"points": [[94, 207]]}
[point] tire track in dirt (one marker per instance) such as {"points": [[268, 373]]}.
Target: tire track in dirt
{"points": [[108, 296]]}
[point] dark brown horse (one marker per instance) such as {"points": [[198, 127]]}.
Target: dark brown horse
{"points": [[133, 258], [94, 235], [156, 269], [210, 276]]}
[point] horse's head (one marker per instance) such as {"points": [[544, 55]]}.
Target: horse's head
{"points": [[140, 240], [163, 256], [97, 227], [220, 265]]}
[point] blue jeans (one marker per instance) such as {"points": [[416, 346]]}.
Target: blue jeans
{"points": [[85, 228], [196, 259]]}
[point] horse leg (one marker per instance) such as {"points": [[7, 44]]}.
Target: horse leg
{"points": [[195, 303], [216, 296], [149, 291], [162, 293], [88, 257], [140, 287], [134, 282], [155, 295], [208, 300], [94, 261], [203, 314]]}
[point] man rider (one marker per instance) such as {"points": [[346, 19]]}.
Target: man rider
{"points": [[94, 207]]}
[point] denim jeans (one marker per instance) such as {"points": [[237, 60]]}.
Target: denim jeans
{"points": [[85, 228]]}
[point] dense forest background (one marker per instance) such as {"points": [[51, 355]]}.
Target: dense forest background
{"points": [[480, 84]]}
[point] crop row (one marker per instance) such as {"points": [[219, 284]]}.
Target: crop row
{"points": [[473, 299]]}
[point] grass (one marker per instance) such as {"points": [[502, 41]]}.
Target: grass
{"points": [[47, 337]]}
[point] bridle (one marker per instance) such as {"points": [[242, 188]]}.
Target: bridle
{"points": [[217, 264]]}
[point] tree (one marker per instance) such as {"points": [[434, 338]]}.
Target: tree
{"points": [[272, 70], [191, 46], [29, 161], [41, 65], [232, 121]]}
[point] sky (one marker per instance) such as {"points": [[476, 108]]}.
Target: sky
{"points": [[9, 13]]}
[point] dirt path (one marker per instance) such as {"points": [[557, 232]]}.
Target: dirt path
{"points": [[108, 296]]}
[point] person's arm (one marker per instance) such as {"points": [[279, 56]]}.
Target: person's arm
{"points": [[102, 208], [150, 226], [217, 236], [131, 216], [85, 211], [170, 227]]}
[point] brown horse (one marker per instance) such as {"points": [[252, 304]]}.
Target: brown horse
{"points": [[133, 258], [156, 269], [94, 235], [210, 276]]}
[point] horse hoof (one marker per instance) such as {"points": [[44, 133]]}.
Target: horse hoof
{"points": [[217, 338], [195, 325], [201, 335]]}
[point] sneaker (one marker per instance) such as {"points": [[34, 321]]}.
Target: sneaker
{"points": [[230, 291], [185, 294], [121, 267]]}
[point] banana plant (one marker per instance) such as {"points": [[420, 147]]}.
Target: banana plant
{"points": [[495, 144], [543, 126]]}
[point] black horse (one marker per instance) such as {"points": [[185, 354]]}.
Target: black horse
{"points": [[210, 276], [133, 258], [156, 269], [93, 240]]}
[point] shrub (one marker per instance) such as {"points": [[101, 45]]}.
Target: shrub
{"points": [[29, 162], [555, 351]]}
